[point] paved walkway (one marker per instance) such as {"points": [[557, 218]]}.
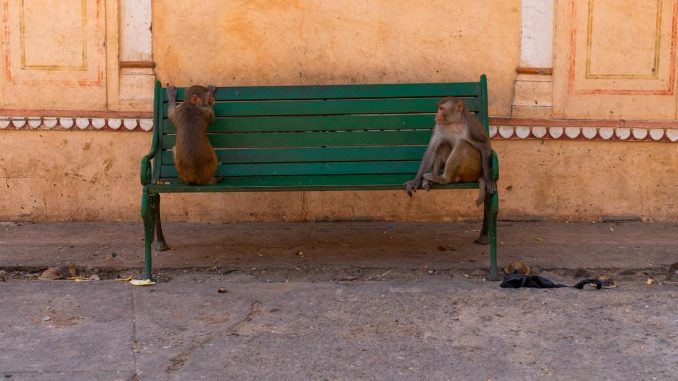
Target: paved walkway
{"points": [[362, 301]]}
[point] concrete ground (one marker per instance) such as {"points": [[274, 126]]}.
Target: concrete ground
{"points": [[337, 301]]}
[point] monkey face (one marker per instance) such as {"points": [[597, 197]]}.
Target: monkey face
{"points": [[442, 112], [449, 110]]}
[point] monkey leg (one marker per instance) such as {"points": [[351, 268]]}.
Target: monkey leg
{"points": [[160, 243], [149, 225], [434, 178], [463, 164], [483, 238]]}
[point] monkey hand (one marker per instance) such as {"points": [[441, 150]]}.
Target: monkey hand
{"points": [[211, 89], [411, 186], [490, 187], [171, 92], [426, 184]]}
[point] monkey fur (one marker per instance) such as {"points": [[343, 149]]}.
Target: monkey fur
{"points": [[462, 144], [194, 157]]}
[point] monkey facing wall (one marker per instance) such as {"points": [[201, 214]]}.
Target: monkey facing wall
{"points": [[194, 157]]}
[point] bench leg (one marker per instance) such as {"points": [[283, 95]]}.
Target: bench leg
{"points": [[491, 212], [160, 243], [148, 215]]}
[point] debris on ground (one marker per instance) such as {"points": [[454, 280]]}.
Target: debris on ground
{"points": [[517, 267], [447, 247], [141, 282], [673, 271], [345, 278], [300, 253], [51, 273], [581, 273], [607, 282], [222, 290], [72, 270], [2, 276], [85, 279], [649, 281]]}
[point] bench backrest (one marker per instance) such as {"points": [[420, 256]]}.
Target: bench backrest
{"points": [[367, 134]]}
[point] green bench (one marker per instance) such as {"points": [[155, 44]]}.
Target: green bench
{"points": [[312, 138]]}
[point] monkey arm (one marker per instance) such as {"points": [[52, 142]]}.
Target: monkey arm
{"points": [[171, 100], [412, 185]]}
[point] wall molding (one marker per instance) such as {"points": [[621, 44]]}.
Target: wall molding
{"points": [[76, 123], [575, 129], [501, 128]]}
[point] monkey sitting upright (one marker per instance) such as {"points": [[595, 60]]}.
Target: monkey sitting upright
{"points": [[194, 157], [460, 142]]}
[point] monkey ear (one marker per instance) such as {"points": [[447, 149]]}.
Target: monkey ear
{"points": [[195, 99]]}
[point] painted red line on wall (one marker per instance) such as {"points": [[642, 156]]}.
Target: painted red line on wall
{"points": [[620, 123]]}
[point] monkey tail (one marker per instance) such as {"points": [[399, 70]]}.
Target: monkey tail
{"points": [[482, 193]]}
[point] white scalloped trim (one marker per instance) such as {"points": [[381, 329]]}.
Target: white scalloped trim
{"points": [[522, 132], [606, 133], [130, 124], [18, 122], [68, 123], [539, 132], [82, 123], [493, 131], [622, 133], [114, 123], [556, 132], [656, 133], [589, 132], [34, 122], [572, 132], [584, 133], [505, 131]]}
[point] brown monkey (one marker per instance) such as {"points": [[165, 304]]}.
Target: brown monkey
{"points": [[194, 157], [456, 130], [461, 165]]}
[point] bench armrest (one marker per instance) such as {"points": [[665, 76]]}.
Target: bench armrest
{"points": [[147, 168], [146, 165], [495, 166]]}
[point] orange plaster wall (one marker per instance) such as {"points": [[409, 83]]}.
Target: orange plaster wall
{"points": [[282, 42]]}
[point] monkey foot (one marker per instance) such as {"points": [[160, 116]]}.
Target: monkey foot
{"points": [[160, 246], [482, 240]]}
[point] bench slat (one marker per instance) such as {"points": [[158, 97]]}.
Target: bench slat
{"points": [[306, 154], [458, 89], [311, 139], [314, 123], [332, 107], [321, 182], [295, 169]]}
